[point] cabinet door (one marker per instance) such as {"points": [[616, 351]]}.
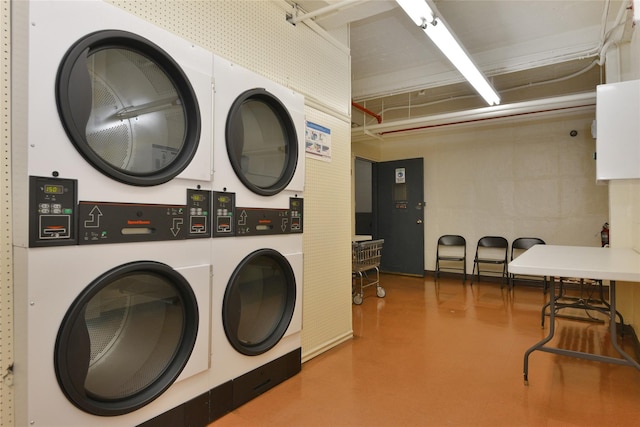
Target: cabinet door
{"points": [[618, 130]]}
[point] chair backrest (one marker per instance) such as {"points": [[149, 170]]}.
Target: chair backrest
{"points": [[452, 240], [521, 244], [493, 242], [492, 247]]}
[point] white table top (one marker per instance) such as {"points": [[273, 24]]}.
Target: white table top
{"points": [[579, 261]]}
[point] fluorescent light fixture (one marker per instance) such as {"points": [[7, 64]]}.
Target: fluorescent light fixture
{"points": [[441, 36], [418, 10], [422, 15]]}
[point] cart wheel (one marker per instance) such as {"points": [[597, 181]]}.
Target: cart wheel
{"points": [[357, 299], [381, 292]]}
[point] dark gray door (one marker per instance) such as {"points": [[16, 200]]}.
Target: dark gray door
{"points": [[399, 215]]}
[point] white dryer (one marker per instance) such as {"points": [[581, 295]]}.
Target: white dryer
{"points": [[257, 259], [111, 171], [105, 338], [257, 313], [112, 101], [259, 131]]}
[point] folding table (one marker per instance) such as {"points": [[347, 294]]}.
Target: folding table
{"points": [[581, 262]]}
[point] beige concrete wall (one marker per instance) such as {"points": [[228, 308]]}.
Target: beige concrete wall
{"points": [[511, 179]]}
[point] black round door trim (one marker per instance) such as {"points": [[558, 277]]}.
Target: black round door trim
{"points": [[231, 312], [74, 98], [72, 348], [288, 127]]}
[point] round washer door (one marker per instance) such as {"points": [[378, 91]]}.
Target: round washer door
{"points": [[128, 108], [259, 302], [262, 143], [126, 338]]}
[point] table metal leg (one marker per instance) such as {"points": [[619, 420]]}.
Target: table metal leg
{"points": [[600, 305], [612, 326], [626, 360], [552, 329]]}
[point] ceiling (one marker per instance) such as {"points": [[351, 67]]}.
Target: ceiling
{"points": [[397, 72]]}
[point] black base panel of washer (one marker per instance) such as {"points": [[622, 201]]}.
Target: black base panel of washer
{"points": [[209, 406], [256, 382], [220, 400], [194, 413], [199, 411]]}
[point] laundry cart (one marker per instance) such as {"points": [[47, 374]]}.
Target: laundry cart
{"points": [[365, 268]]}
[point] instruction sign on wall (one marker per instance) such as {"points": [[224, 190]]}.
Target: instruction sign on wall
{"points": [[400, 176], [318, 142]]}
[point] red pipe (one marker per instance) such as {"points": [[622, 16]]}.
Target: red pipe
{"points": [[483, 119], [366, 110]]}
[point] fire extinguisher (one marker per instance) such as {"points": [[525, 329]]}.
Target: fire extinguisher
{"points": [[604, 234]]}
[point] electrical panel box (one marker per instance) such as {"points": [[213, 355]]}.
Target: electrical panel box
{"points": [[618, 130]]}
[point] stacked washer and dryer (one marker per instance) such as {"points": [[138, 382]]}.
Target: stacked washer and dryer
{"points": [[257, 231], [112, 164], [157, 239]]}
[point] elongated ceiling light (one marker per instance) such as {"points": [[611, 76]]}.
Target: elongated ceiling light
{"points": [[422, 15]]}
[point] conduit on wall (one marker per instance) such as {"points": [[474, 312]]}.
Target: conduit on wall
{"points": [[306, 19], [324, 10], [557, 105]]}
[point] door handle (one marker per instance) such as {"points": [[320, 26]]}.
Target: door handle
{"points": [[419, 221]]}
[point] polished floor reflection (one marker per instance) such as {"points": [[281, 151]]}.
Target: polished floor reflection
{"points": [[448, 354]]}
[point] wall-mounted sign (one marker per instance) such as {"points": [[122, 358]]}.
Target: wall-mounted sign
{"points": [[318, 141], [400, 176]]}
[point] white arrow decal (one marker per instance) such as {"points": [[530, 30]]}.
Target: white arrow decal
{"points": [[177, 222], [94, 218]]}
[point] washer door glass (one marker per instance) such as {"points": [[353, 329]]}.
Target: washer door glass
{"points": [[259, 302], [128, 108], [126, 338], [261, 142]]}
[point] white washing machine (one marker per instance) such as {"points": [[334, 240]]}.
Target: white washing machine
{"points": [[257, 261], [105, 338], [112, 163], [259, 130], [112, 101], [257, 312]]}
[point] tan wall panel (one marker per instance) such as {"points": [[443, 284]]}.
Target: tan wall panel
{"points": [[624, 203], [6, 258], [327, 243]]}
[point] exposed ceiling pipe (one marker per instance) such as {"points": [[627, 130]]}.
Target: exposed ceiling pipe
{"points": [[611, 38], [324, 10], [373, 135], [525, 86], [550, 110], [541, 106], [366, 111]]}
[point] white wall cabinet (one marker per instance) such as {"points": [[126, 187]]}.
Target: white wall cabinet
{"points": [[618, 130]]}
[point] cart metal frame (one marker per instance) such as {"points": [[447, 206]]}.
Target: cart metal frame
{"points": [[365, 259]]}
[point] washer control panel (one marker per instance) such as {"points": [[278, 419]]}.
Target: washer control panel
{"points": [[266, 221], [103, 222], [224, 205], [197, 212], [52, 211]]}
